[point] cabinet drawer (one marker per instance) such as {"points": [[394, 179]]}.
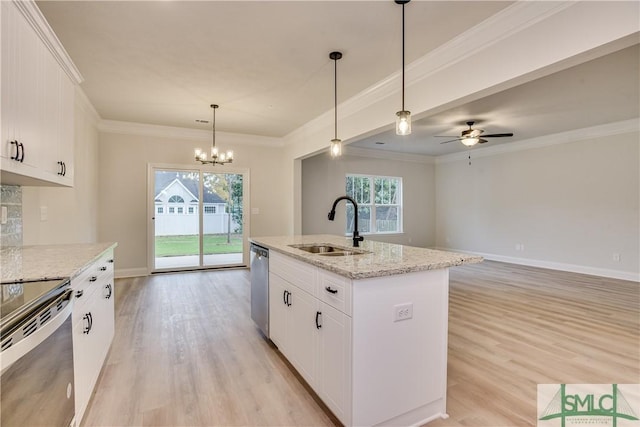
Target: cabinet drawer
{"points": [[335, 290], [293, 271]]}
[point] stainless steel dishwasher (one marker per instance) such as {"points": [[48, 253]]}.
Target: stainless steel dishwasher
{"points": [[260, 287]]}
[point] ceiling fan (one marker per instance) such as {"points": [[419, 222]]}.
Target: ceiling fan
{"points": [[471, 137]]}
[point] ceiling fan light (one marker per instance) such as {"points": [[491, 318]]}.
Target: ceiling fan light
{"points": [[470, 142], [403, 122], [336, 148]]}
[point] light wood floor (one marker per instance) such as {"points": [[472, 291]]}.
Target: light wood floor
{"points": [[186, 351]]}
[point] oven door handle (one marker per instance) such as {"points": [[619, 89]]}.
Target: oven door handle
{"points": [[25, 345]]}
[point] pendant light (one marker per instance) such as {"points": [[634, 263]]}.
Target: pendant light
{"points": [[336, 144], [403, 117], [216, 158]]}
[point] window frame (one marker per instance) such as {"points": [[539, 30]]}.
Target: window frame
{"points": [[373, 205]]}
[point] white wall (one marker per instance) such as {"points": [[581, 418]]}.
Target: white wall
{"points": [[323, 179], [123, 185], [71, 212], [571, 205]]}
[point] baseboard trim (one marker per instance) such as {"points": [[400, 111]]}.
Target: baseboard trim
{"points": [[130, 272], [551, 265]]}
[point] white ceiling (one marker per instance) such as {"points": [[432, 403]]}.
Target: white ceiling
{"points": [[266, 63]]}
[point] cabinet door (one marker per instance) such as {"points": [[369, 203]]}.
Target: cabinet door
{"points": [[303, 335], [9, 74], [87, 350], [335, 362], [278, 312]]}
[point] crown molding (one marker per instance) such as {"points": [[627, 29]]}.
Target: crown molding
{"points": [[170, 132], [609, 129], [388, 155], [34, 17], [502, 25]]}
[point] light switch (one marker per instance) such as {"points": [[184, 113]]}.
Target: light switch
{"points": [[4, 215]]}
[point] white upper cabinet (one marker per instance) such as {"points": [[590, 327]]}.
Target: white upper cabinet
{"points": [[37, 96]]}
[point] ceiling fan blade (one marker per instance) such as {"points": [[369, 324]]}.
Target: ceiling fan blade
{"points": [[497, 135], [445, 136], [451, 140], [482, 141]]}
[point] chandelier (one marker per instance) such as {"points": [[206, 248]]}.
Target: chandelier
{"points": [[216, 157]]}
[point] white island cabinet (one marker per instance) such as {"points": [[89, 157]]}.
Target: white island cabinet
{"points": [[368, 332], [93, 326]]}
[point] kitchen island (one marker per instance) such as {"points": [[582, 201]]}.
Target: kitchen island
{"points": [[365, 327]]}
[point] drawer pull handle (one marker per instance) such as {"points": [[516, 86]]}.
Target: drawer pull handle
{"points": [[331, 291], [108, 287], [93, 278], [103, 268], [79, 293], [89, 318], [318, 325]]}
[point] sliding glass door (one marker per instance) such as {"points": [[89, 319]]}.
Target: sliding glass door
{"points": [[197, 219]]}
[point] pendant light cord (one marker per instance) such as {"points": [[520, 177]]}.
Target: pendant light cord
{"points": [[214, 125], [335, 97], [403, 56]]}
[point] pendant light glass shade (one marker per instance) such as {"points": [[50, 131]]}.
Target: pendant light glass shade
{"points": [[336, 144], [403, 122], [336, 148]]}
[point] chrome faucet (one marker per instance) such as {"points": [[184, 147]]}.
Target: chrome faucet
{"points": [[356, 236]]}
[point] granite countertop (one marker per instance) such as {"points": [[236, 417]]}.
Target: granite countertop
{"points": [[30, 263], [381, 259]]}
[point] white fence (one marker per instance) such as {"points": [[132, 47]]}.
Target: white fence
{"points": [[183, 225]]}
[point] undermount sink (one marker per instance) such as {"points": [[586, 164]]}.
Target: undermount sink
{"points": [[317, 249], [327, 250]]}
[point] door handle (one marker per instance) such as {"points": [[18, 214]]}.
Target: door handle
{"points": [[21, 152], [284, 297], [318, 325], [288, 300]]}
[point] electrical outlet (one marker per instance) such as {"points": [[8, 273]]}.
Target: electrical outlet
{"points": [[616, 257], [402, 312]]}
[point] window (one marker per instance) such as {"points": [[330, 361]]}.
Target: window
{"points": [[191, 210], [160, 209], [379, 201], [176, 199], [172, 210], [180, 210], [210, 209]]}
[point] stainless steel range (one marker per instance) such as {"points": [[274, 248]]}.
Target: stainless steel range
{"points": [[36, 354]]}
